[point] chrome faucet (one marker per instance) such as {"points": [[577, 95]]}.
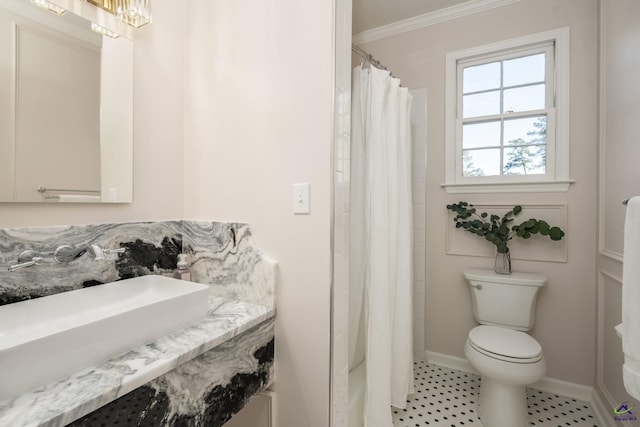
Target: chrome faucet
{"points": [[26, 259], [101, 253], [66, 253]]}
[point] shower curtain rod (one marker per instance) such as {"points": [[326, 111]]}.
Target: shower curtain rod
{"points": [[369, 58]]}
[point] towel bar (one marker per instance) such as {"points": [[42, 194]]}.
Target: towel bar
{"points": [[45, 192]]}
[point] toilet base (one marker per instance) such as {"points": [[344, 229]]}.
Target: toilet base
{"points": [[502, 405]]}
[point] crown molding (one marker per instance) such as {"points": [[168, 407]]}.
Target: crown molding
{"points": [[426, 19]]}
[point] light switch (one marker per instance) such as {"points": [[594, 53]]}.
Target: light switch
{"points": [[301, 198]]}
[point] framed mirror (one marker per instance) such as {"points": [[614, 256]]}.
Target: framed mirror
{"points": [[66, 109]]}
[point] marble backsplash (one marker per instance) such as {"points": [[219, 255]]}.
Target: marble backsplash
{"points": [[222, 255]]}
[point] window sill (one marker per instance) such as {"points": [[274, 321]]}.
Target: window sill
{"points": [[510, 187]]}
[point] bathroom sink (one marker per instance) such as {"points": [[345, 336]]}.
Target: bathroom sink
{"points": [[46, 338]]}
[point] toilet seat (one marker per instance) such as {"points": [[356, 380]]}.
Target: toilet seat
{"points": [[505, 344]]}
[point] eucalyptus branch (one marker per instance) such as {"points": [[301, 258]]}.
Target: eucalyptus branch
{"points": [[497, 230]]}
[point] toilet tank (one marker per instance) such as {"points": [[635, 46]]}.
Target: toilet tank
{"points": [[504, 300]]}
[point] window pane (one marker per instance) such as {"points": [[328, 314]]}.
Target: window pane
{"points": [[476, 135], [529, 130], [524, 98], [525, 160], [529, 69], [481, 104], [481, 77], [481, 162]]}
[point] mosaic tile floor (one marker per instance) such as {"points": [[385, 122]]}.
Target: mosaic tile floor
{"points": [[447, 398]]}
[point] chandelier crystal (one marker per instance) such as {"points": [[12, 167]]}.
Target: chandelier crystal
{"points": [[49, 6], [134, 12]]}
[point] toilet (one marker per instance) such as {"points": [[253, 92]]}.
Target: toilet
{"points": [[507, 358]]}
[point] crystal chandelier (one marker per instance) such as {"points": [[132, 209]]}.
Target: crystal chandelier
{"points": [[134, 12]]}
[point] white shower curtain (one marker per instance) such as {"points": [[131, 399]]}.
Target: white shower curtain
{"points": [[381, 240]]}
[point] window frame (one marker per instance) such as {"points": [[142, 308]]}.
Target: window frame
{"points": [[556, 109]]}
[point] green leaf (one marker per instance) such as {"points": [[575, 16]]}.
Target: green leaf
{"points": [[492, 238], [544, 227], [503, 229], [517, 209], [555, 233]]}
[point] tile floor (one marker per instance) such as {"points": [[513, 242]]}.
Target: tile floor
{"points": [[447, 398]]}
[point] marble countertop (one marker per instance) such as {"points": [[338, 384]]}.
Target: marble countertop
{"points": [[69, 398]]}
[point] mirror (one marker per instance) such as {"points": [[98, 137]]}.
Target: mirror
{"points": [[66, 109]]}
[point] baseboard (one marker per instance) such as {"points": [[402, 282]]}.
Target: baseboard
{"points": [[549, 385], [602, 412], [564, 388], [451, 362]]}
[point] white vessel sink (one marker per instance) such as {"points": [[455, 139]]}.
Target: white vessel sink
{"points": [[47, 338]]}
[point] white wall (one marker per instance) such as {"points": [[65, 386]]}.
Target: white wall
{"points": [[258, 118], [565, 324], [619, 179], [158, 135]]}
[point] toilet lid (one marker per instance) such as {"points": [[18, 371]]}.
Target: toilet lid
{"points": [[505, 343]]}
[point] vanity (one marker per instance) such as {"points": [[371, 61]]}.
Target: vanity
{"points": [[77, 147], [196, 375]]}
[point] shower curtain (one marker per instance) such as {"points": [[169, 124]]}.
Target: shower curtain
{"points": [[381, 240]]}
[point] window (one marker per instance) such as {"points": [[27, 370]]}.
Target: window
{"points": [[507, 110]]}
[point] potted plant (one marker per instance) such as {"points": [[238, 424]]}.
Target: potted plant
{"points": [[498, 230]]}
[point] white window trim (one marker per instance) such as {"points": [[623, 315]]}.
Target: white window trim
{"points": [[556, 181]]}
